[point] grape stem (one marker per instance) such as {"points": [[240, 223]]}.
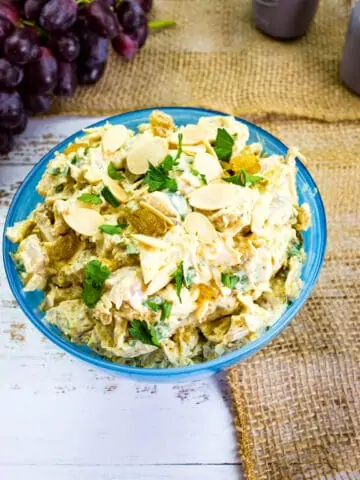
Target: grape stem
{"points": [[28, 23], [157, 24]]}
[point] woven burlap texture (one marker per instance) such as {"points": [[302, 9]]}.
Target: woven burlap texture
{"points": [[297, 402], [216, 58]]}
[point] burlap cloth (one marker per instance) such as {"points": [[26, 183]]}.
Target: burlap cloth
{"points": [[297, 402]]}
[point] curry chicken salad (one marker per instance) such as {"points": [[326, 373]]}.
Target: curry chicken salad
{"points": [[165, 247]]}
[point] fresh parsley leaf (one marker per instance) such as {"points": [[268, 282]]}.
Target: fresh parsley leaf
{"points": [[90, 198], [166, 308], [168, 164], [20, 267], [109, 197], [74, 161], [155, 307], [202, 176], [158, 179], [179, 150], [95, 274], [55, 171], [112, 229], [229, 281], [113, 173], [178, 277], [294, 248], [243, 178], [223, 145], [140, 330]]}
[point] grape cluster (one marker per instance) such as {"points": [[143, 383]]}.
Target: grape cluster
{"points": [[49, 47]]}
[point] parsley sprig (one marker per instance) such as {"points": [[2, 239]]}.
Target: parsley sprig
{"points": [[179, 150], [232, 280], [179, 279], [90, 198], [223, 145], [112, 229], [158, 177], [243, 178], [113, 173], [95, 274], [157, 304], [202, 176], [140, 330]]}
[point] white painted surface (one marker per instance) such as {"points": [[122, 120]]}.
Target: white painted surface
{"points": [[63, 420]]}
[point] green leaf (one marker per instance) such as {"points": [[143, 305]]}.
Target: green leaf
{"points": [[179, 150], [158, 179], [109, 197], [19, 265], [74, 161], [166, 308], [202, 176], [113, 173], [178, 277], [112, 229], [295, 248], [168, 164], [229, 281], [155, 307], [140, 330], [55, 171], [223, 145], [243, 179], [95, 274], [189, 276], [90, 198]]}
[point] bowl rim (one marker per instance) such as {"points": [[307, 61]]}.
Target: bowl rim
{"points": [[218, 363]]}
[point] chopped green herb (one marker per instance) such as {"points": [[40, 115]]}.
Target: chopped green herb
{"points": [[140, 330], [243, 179], [179, 279], [294, 249], [223, 145], [113, 229], [156, 303], [179, 150], [95, 274], [55, 171], [229, 281], [65, 171], [109, 197], [132, 249], [202, 176], [158, 178], [20, 267], [166, 308], [113, 173], [90, 198], [189, 276], [74, 161], [155, 307]]}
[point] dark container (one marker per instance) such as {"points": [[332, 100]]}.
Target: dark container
{"points": [[350, 63], [284, 19]]}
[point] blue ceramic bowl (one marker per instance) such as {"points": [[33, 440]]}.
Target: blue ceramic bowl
{"points": [[314, 239]]}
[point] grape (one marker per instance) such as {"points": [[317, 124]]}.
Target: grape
{"points": [[41, 76], [21, 46], [11, 109], [36, 103], [58, 15], [6, 142], [10, 12], [66, 47], [67, 81], [6, 27], [32, 9], [125, 46], [130, 15], [90, 75], [140, 35], [94, 49], [20, 128], [102, 19], [10, 75], [146, 5]]}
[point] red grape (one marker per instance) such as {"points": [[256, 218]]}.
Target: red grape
{"points": [[102, 19], [140, 35], [32, 9], [90, 75], [94, 49], [36, 103], [41, 76], [58, 15], [21, 46], [130, 15], [6, 27], [67, 80], [125, 46], [66, 47], [6, 142], [10, 75], [9, 11], [146, 5], [21, 127], [11, 109]]}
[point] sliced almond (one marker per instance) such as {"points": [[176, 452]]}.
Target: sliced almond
{"points": [[146, 150], [208, 165], [83, 220], [214, 196], [114, 138], [193, 149], [197, 224], [93, 175], [74, 147], [118, 192], [150, 261], [192, 135], [157, 212], [162, 278], [150, 241]]}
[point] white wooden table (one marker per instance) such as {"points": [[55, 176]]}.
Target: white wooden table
{"points": [[60, 419]]}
